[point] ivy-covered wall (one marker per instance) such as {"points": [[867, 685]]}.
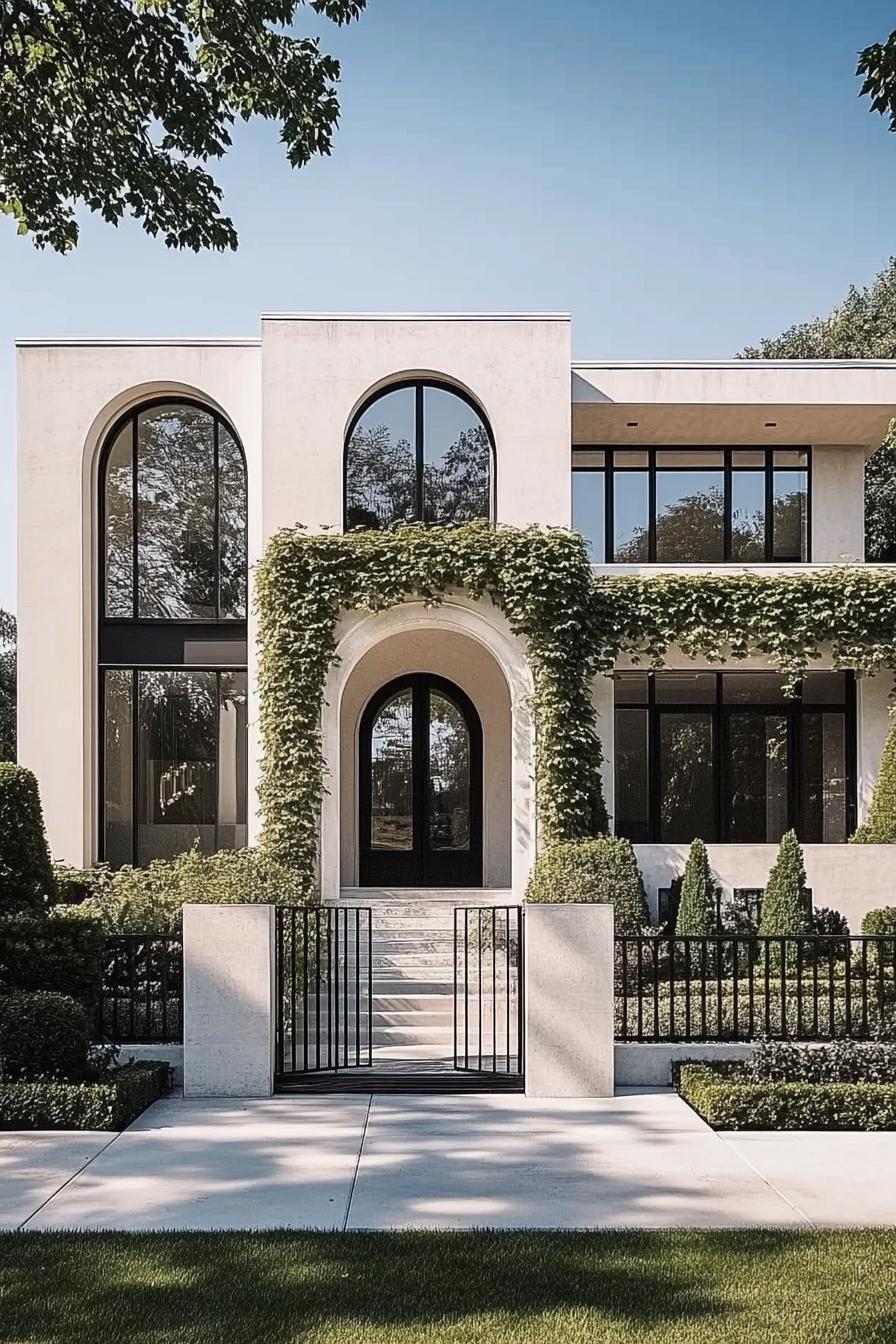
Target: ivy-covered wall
{"points": [[574, 624]]}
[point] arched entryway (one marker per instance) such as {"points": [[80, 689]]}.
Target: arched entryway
{"points": [[420, 786]]}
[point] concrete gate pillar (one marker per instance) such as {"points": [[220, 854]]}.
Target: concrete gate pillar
{"points": [[569, 1000], [229, 1000]]}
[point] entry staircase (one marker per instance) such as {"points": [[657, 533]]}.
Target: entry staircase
{"points": [[412, 958]]}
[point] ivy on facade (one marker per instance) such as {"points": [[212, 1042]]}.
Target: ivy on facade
{"points": [[573, 624]]}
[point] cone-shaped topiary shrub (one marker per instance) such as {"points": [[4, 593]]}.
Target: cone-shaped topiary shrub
{"points": [[698, 908], [879, 826], [785, 902], [593, 870], [26, 874]]}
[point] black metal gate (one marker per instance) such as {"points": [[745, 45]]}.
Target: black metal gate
{"points": [[488, 990], [324, 992]]}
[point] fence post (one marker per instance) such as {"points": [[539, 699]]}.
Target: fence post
{"points": [[229, 997], [569, 1000]]}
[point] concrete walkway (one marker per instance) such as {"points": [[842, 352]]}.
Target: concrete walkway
{"points": [[642, 1159]]}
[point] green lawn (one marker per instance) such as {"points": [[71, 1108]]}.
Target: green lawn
{"points": [[492, 1288]]}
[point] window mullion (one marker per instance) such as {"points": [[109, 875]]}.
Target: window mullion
{"points": [[727, 508], [419, 449], [135, 611], [651, 505], [769, 506]]}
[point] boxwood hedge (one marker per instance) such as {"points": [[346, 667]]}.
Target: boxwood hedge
{"points": [[112, 1103], [726, 1100]]}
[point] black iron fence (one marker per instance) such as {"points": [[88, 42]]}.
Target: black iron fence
{"points": [[488, 989], [324, 990], [733, 988], [142, 992]]}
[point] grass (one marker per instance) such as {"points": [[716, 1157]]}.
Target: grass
{"points": [[448, 1288]]}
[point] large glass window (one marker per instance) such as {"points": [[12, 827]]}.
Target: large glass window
{"points": [[692, 505], [421, 452], [726, 756], [172, 637]]}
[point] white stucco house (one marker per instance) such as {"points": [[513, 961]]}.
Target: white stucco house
{"points": [[152, 473]]}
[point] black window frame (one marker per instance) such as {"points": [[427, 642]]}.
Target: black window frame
{"points": [[158, 644], [419, 386], [792, 709], [728, 470]]}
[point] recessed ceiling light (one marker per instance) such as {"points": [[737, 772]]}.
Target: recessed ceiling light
{"points": [[631, 424], [771, 424]]}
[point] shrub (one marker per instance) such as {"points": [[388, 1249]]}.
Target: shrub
{"points": [[880, 922], [52, 954], [42, 1034], [828, 923], [727, 1101], [73, 885], [879, 826], [26, 874], [698, 909], [836, 1062], [150, 900], [111, 1103], [786, 901], [590, 871]]}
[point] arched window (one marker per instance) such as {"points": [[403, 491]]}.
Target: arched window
{"points": [[172, 636], [417, 451]]}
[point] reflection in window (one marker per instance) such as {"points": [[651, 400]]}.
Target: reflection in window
{"points": [[188, 743], [774, 763], [449, 775], [392, 775], [417, 453], [190, 518], [690, 516], [692, 505]]}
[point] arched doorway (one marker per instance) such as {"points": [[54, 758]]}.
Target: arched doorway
{"points": [[420, 794]]}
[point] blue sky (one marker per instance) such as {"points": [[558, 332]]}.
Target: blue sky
{"points": [[684, 178]]}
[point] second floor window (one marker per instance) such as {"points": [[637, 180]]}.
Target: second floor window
{"points": [[692, 505], [417, 452]]}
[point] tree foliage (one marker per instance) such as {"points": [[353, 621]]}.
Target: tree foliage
{"points": [[786, 906], [120, 104], [879, 826], [26, 874], [588, 871], [863, 326], [7, 686], [698, 907]]}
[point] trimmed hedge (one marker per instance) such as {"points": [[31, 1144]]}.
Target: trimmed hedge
{"points": [[26, 873], [73, 885], [726, 1101], [586, 871], [881, 921], [42, 1034], [112, 1103], [62, 955]]}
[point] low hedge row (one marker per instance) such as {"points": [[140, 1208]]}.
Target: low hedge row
{"points": [[63, 955], [112, 1103], [727, 1101], [800, 1018]]}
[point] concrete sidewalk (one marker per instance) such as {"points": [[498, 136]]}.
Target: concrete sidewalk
{"points": [[642, 1159]]}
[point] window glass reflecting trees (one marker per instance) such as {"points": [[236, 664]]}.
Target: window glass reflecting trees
{"points": [[172, 638]]}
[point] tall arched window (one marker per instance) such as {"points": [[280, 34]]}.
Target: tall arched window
{"points": [[172, 636], [417, 451]]}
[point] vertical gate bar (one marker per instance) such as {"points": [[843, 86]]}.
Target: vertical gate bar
{"points": [[454, 987], [479, 979], [848, 989], [704, 957], [687, 989], [767, 986], [815, 950], [672, 1035], [147, 994], [357, 986], [333, 1034], [879, 948], [520, 989], [370, 987], [640, 948], [655, 967], [345, 984], [782, 952], [719, 989], [293, 933], [507, 984], [831, 988], [494, 994], [750, 953], [623, 971], [736, 970], [278, 974], [799, 989], [132, 972], [466, 989], [864, 989], [317, 982], [304, 990], [163, 988]]}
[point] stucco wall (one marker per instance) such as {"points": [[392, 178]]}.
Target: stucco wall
{"points": [[838, 504], [316, 372], [68, 398]]}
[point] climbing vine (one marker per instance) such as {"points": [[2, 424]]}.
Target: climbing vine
{"points": [[574, 624], [541, 580]]}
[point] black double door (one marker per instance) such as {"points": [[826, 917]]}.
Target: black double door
{"points": [[420, 775]]}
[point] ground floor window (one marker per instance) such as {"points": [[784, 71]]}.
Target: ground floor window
{"points": [[726, 756], [174, 767]]}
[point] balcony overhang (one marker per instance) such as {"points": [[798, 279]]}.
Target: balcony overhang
{"points": [[842, 402]]}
